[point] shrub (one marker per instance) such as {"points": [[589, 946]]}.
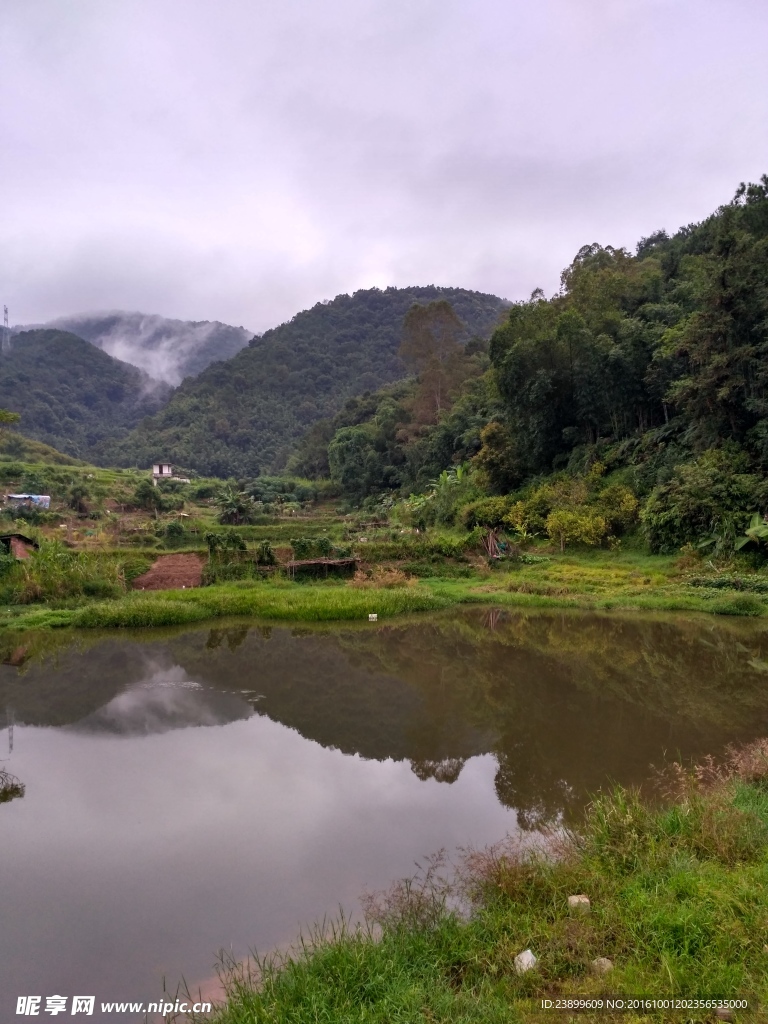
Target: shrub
{"points": [[55, 573], [739, 604], [174, 531], [133, 566], [11, 471], [264, 554], [489, 512], [151, 498], [731, 581], [302, 548], [324, 547], [619, 506], [200, 492], [382, 577], [702, 494], [562, 492], [224, 546], [315, 547], [583, 527]]}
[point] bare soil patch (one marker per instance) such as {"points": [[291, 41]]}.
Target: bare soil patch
{"points": [[171, 572]]}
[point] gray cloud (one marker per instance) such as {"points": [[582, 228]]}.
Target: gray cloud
{"points": [[238, 161]]}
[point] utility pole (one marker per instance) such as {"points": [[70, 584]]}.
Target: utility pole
{"points": [[6, 331]]}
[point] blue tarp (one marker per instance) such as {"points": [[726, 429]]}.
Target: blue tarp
{"points": [[42, 500]]}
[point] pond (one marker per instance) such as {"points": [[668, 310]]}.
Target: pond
{"points": [[189, 791]]}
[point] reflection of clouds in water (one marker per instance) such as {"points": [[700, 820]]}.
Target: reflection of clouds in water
{"points": [[160, 850], [167, 700]]}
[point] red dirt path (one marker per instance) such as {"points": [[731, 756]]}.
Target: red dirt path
{"points": [[171, 572]]}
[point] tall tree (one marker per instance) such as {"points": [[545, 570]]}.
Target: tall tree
{"points": [[431, 348]]}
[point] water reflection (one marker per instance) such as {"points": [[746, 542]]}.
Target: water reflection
{"points": [[563, 702], [190, 790]]}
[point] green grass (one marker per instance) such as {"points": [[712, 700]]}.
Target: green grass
{"points": [[72, 584], [679, 904], [597, 580], [270, 600], [329, 601]]}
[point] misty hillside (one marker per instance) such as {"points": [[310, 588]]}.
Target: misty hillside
{"points": [[244, 416], [166, 349], [71, 395]]}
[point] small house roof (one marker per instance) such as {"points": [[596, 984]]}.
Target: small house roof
{"points": [[19, 536]]}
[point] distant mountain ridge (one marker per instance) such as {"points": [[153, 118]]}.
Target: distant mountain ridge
{"points": [[72, 396], [167, 350], [243, 417]]}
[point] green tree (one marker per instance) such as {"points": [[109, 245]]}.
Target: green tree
{"points": [[724, 343], [6, 419], [431, 348], [78, 496], [354, 462], [234, 507], [148, 497]]}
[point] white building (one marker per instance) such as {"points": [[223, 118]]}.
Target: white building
{"points": [[164, 471], [161, 471]]}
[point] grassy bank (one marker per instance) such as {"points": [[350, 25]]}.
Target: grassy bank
{"points": [[272, 600], [679, 905], [79, 582], [604, 581]]}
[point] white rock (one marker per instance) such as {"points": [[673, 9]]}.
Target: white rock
{"points": [[525, 961], [373, 617], [579, 903], [602, 965]]}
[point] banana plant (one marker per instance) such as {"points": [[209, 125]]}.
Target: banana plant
{"points": [[722, 537], [754, 533]]}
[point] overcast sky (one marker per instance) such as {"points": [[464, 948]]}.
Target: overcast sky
{"points": [[240, 160]]}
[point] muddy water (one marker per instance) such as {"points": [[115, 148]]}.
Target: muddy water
{"points": [[190, 791]]}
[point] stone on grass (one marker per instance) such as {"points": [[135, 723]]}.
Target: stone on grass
{"points": [[724, 1013], [525, 961], [580, 904], [602, 965]]}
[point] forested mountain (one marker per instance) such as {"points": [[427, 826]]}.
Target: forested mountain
{"points": [[166, 349], [649, 370], [244, 416], [71, 395]]}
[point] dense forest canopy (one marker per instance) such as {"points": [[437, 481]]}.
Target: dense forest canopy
{"points": [[71, 395], [244, 416], [649, 368], [635, 399]]}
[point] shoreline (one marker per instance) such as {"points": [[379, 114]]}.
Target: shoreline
{"points": [[664, 901], [339, 603]]}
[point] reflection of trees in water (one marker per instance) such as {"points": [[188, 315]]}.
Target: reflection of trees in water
{"points": [[10, 787], [491, 618], [552, 800], [233, 637], [447, 770], [568, 702], [565, 702]]}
